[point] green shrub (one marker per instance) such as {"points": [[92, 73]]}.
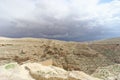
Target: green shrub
{"points": [[10, 66]]}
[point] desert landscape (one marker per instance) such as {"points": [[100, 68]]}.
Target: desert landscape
{"points": [[59, 39], [47, 59]]}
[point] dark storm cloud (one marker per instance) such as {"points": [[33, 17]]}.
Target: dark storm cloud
{"points": [[78, 20]]}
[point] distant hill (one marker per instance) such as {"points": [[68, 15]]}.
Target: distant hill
{"points": [[108, 41]]}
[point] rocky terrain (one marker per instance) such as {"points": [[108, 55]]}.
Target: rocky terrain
{"points": [[85, 57], [35, 71], [111, 72]]}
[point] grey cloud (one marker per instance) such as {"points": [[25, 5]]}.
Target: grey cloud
{"points": [[60, 19]]}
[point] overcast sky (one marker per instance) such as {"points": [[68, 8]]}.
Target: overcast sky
{"points": [[78, 20]]}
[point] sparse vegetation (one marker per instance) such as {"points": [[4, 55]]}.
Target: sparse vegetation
{"points": [[10, 66]]}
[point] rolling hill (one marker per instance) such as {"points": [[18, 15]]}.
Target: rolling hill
{"points": [[81, 56]]}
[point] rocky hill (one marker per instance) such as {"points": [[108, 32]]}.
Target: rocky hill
{"points": [[80, 56]]}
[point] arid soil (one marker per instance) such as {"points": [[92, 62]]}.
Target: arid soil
{"points": [[81, 56]]}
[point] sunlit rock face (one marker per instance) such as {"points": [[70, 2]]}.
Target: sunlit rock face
{"points": [[13, 71], [35, 71]]}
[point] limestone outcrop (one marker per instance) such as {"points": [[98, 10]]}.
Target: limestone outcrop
{"points": [[36, 71]]}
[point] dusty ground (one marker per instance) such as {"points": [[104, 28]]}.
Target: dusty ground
{"points": [[85, 57]]}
